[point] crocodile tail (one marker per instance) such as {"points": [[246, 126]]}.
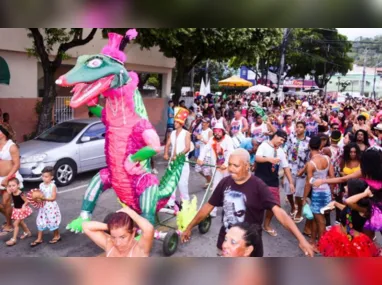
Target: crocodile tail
{"points": [[170, 179]]}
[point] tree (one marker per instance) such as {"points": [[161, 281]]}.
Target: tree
{"points": [[44, 41], [323, 50], [190, 46]]}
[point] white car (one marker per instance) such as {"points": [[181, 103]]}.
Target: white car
{"points": [[70, 147]]}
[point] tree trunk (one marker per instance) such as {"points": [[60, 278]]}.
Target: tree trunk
{"points": [[180, 68], [45, 120]]}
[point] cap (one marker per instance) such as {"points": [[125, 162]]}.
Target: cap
{"points": [[199, 115], [378, 127], [282, 134], [206, 120], [219, 126], [310, 108]]}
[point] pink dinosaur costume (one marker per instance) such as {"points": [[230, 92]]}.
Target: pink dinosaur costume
{"points": [[130, 139]]}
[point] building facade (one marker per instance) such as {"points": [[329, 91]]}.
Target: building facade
{"points": [[353, 80], [20, 96]]}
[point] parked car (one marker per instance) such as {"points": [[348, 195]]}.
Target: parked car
{"points": [[70, 147]]}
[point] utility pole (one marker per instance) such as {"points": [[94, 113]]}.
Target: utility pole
{"points": [[192, 80], [364, 73], [282, 60], [207, 62], [375, 78]]}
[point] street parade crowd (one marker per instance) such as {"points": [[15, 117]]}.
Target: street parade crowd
{"points": [[326, 156]]}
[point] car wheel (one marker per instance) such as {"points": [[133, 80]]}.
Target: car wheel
{"points": [[64, 172]]}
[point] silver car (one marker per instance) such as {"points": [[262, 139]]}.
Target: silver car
{"points": [[70, 147]]}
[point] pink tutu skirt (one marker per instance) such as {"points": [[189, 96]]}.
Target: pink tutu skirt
{"points": [[21, 214]]}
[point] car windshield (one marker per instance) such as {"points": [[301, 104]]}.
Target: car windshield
{"points": [[62, 133]]}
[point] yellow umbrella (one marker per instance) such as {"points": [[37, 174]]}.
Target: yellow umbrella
{"points": [[235, 81]]}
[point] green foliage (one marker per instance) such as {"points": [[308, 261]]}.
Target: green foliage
{"points": [[153, 81], [53, 37], [322, 50], [190, 46]]}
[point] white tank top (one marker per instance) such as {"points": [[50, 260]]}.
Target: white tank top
{"points": [[236, 126], [257, 131], [205, 137], [214, 121], [178, 143], [5, 153]]}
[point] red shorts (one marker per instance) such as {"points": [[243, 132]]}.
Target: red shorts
{"points": [[276, 194]]}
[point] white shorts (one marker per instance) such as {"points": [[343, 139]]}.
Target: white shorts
{"points": [[299, 185], [18, 176]]}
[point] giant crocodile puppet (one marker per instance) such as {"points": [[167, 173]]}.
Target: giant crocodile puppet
{"points": [[130, 139]]}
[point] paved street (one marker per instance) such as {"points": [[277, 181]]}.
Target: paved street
{"points": [[70, 200]]}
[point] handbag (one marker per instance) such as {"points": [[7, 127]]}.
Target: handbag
{"points": [[307, 212]]}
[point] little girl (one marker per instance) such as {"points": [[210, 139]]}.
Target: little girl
{"points": [[20, 211], [49, 216]]}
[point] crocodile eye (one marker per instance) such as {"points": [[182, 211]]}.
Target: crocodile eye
{"points": [[94, 63]]}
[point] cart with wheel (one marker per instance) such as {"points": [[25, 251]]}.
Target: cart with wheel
{"points": [[171, 237]]}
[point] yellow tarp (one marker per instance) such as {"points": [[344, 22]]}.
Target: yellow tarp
{"points": [[235, 81]]}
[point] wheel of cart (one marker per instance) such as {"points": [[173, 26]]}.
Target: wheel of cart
{"points": [[205, 225], [170, 243]]}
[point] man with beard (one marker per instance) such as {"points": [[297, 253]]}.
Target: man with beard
{"points": [[220, 146]]}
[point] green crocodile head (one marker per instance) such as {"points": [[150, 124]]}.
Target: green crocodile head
{"points": [[91, 76]]}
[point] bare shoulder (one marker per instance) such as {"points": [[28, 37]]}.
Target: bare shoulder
{"points": [[14, 149]]}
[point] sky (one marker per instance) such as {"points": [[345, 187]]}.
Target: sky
{"points": [[353, 33]]}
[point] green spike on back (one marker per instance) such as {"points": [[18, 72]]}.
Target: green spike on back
{"points": [[170, 179], [139, 106]]}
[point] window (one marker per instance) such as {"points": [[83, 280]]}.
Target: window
{"points": [[62, 133], [95, 132]]}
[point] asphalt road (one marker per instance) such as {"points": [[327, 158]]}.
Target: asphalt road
{"points": [[78, 245]]}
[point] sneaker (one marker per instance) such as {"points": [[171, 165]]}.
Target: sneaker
{"points": [[154, 171], [213, 214], [328, 228]]}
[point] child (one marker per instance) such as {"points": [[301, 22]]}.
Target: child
{"points": [[20, 211], [49, 216]]}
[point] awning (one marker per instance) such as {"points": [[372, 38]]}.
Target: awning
{"points": [[235, 81], [5, 75]]}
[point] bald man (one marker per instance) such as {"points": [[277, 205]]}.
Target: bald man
{"points": [[244, 197]]}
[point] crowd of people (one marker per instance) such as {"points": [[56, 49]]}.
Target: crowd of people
{"points": [[326, 156], [307, 147]]}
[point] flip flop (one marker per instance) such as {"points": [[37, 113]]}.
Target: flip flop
{"points": [[53, 241], [11, 242], [272, 233], [25, 235], [299, 220], [4, 232], [36, 243]]}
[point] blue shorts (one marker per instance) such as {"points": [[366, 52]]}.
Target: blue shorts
{"points": [[320, 199]]}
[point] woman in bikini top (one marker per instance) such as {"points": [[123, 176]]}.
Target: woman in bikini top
{"points": [[117, 237]]}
